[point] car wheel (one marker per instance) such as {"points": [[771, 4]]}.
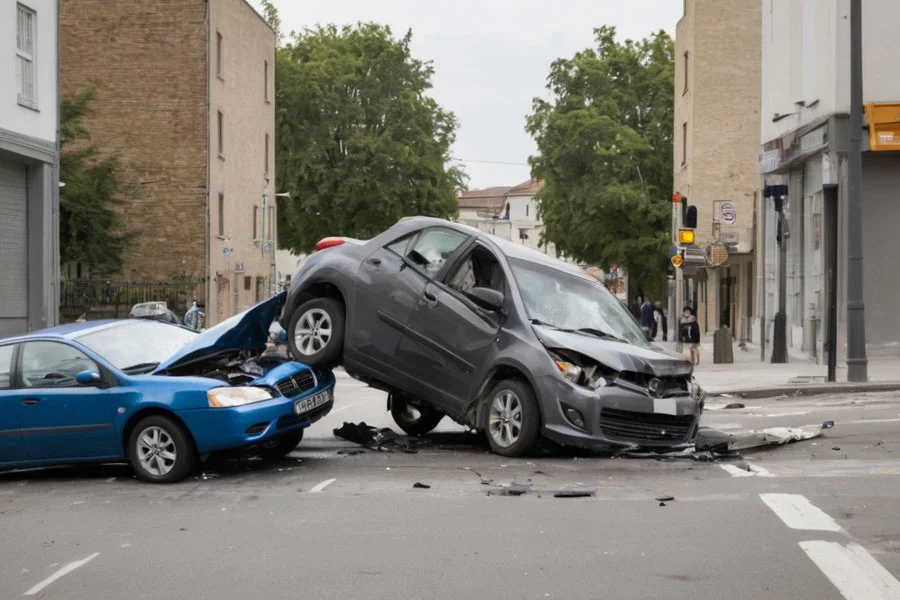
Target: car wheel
{"points": [[279, 447], [512, 419], [160, 450], [316, 333], [414, 417]]}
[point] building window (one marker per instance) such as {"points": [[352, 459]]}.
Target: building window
{"points": [[684, 144], [222, 215], [248, 281], [25, 43], [255, 222], [267, 154], [221, 129], [219, 45], [266, 80], [687, 62]]}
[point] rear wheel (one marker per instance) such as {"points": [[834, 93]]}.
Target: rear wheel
{"points": [[160, 450], [413, 416], [512, 418], [281, 446], [316, 333]]}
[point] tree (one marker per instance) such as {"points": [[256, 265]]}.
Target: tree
{"points": [[605, 153], [91, 231], [359, 143]]}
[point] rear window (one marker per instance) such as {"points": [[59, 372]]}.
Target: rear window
{"points": [[6, 354]]}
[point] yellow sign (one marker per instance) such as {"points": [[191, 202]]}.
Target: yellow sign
{"points": [[686, 236], [677, 261], [884, 126]]}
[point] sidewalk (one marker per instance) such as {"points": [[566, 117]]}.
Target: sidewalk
{"points": [[748, 377]]}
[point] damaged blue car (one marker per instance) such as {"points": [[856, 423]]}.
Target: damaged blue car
{"points": [[157, 395]]}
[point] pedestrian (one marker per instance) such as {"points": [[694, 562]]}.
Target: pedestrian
{"points": [[192, 317], [690, 334], [659, 323], [665, 324], [647, 317]]}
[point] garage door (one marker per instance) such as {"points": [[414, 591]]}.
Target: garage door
{"points": [[13, 248]]}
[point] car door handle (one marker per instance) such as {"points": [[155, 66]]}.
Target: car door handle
{"points": [[375, 261], [430, 296], [30, 401]]}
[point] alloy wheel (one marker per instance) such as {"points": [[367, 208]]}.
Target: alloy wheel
{"points": [[313, 331], [156, 451], [505, 419]]}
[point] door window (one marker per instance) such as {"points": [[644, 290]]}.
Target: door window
{"points": [[6, 354], [479, 268], [431, 249], [53, 365]]}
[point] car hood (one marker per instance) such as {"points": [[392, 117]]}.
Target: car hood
{"points": [[619, 356], [247, 331]]}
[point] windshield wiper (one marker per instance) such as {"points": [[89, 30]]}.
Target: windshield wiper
{"points": [[140, 368], [596, 333], [540, 323]]}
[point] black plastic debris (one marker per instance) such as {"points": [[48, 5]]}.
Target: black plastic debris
{"points": [[735, 405], [382, 440], [515, 489], [662, 503], [351, 452], [827, 424], [421, 486], [836, 448], [575, 493], [665, 498], [358, 433]]}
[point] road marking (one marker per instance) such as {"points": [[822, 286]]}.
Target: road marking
{"points": [[755, 471], [322, 486], [853, 571], [862, 421], [60, 573], [799, 513]]}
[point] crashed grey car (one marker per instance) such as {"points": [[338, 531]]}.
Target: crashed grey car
{"points": [[453, 322]]}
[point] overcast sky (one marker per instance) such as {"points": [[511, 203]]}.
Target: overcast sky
{"points": [[491, 58]]}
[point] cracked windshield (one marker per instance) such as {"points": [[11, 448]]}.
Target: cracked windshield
{"points": [[473, 299]]}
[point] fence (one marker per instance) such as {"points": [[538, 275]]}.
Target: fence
{"points": [[113, 300]]}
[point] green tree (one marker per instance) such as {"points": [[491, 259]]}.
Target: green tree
{"points": [[359, 143], [91, 231], [605, 153]]}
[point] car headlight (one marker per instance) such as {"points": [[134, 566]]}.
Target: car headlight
{"points": [[227, 397], [570, 371]]}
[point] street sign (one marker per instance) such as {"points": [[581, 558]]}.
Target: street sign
{"points": [[677, 261], [225, 251], [729, 213]]}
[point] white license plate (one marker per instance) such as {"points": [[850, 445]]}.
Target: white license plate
{"points": [[304, 405]]}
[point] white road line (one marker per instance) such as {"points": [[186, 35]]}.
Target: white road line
{"points": [[755, 471], [853, 571], [799, 513], [63, 571], [863, 421], [321, 486]]}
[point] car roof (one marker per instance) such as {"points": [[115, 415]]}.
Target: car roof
{"points": [[64, 332]]}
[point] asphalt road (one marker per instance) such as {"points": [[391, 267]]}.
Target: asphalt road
{"points": [[814, 519]]}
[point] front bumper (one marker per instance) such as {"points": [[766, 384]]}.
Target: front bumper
{"points": [[616, 417], [216, 429]]}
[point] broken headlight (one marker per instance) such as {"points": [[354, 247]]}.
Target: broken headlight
{"points": [[228, 397], [582, 371]]}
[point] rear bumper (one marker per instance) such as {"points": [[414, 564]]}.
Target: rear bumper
{"points": [[614, 417]]}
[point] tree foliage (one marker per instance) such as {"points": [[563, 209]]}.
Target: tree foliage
{"points": [[91, 231], [605, 153], [359, 143]]}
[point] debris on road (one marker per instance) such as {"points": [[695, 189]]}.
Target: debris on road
{"points": [[381, 440], [421, 486], [665, 498], [575, 493], [351, 452], [516, 489], [735, 405], [836, 448]]}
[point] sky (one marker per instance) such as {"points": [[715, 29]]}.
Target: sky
{"points": [[491, 58]]}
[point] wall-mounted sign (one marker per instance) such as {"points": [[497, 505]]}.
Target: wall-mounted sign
{"points": [[239, 267], [729, 213]]}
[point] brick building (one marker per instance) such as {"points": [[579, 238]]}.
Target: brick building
{"points": [[185, 101], [717, 104]]}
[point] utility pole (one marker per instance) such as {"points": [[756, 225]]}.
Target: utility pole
{"points": [[779, 334], [857, 364]]}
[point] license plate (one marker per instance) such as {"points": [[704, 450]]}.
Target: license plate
{"points": [[304, 405]]}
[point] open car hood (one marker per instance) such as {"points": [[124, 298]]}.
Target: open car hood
{"points": [[248, 330]]}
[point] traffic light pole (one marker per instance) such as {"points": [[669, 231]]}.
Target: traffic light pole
{"points": [[677, 213]]}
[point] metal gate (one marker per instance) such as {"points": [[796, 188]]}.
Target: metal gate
{"points": [[13, 248]]}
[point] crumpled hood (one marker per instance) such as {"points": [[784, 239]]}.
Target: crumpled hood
{"points": [[618, 356], [248, 330]]}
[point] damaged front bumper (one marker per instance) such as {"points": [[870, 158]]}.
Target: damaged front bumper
{"points": [[617, 417]]}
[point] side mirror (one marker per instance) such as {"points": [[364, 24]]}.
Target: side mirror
{"points": [[488, 298], [88, 378]]}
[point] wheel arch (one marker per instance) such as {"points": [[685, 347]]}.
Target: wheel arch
{"points": [[150, 411], [501, 372], [317, 289]]}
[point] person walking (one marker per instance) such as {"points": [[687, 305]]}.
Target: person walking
{"points": [[192, 317], [647, 318], [690, 334], [659, 323]]}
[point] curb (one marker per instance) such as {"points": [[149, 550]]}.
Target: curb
{"points": [[810, 390]]}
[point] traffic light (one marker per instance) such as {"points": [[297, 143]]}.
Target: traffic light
{"points": [[690, 217], [686, 237]]}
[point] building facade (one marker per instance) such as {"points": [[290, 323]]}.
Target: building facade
{"points": [[29, 180], [717, 103], [805, 132], [185, 102]]}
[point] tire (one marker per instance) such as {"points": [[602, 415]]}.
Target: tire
{"points": [[414, 417], [161, 451], [306, 334], [278, 448], [508, 434]]}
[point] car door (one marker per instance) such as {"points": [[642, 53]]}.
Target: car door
{"points": [[450, 336], [389, 284], [59, 418], [11, 447]]}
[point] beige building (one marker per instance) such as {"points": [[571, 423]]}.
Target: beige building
{"points": [[717, 103], [185, 101]]}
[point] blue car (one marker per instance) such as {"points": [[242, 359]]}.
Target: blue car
{"points": [[155, 394]]}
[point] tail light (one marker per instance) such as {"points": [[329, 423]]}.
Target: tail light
{"points": [[329, 242]]}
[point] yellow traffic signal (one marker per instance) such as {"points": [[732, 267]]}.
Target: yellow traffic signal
{"points": [[686, 236]]}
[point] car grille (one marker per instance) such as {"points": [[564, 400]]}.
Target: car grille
{"points": [[634, 426], [669, 385], [299, 383]]}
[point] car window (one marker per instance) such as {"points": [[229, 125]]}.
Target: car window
{"points": [[139, 345], [6, 354], [432, 249], [52, 365], [479, 268], [400, 246]]}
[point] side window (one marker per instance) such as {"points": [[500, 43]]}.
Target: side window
{"points": [[400, 246], [6, 355], [479, 268], [432, 249], [52, 365]]}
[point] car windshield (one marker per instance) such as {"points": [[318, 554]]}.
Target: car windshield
{"points": [[137, 346], [564, 301]]}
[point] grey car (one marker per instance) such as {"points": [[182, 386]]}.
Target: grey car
{"points": [[453, 322]]}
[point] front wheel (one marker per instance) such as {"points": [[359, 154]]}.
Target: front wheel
{"points": [[512, 418], [278, 448], [414, 417], [316, 333], [160, 450]]}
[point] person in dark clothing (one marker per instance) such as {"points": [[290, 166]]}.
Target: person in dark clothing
{"points": [[647, 317], [690, 334]]}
